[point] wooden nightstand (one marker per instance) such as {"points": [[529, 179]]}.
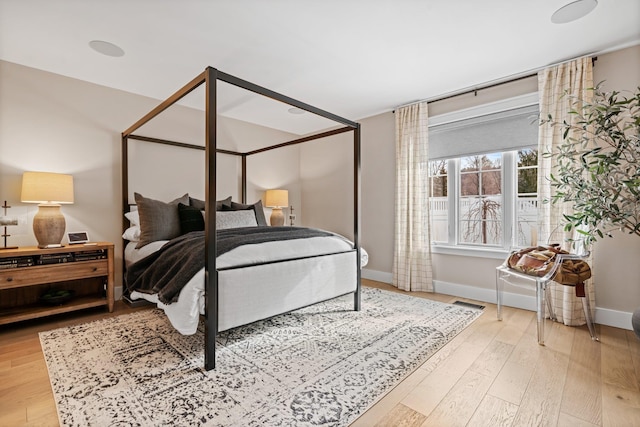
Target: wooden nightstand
{"points": [[27, 273]]}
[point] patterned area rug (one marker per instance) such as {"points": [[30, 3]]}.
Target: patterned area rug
{"points": [[321, 365]]}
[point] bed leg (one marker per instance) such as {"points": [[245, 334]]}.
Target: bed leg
{"points": [[356, 297], [211, 320], [210, 353]]}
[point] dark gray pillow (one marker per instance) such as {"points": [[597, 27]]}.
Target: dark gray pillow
{"points": [[200, 204], [158, 220], [257, 209], [190, 219]]}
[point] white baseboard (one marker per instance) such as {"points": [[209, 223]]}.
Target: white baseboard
{"points": [[604, 316], [615, 318], [378, 276]]}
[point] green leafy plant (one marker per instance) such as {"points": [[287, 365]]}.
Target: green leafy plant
{"points": [[599, 165]]}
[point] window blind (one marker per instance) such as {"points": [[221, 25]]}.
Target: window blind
{"points": [[508, 130]]}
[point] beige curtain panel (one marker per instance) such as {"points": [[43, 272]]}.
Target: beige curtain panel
{"points": [[412, 270], [557, 87]]}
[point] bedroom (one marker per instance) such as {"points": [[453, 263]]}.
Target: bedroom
{"points": [[83, 121]]}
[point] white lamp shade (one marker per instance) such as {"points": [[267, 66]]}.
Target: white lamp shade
{"points": [[46, 187], [276, 198]]}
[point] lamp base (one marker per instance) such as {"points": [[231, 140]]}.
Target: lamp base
{"points": [[51, 246], [277, 217], [49, 226]]}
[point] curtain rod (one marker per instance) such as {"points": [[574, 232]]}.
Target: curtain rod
{"points": [[492, 83]]}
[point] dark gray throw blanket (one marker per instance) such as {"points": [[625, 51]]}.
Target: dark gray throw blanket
{"points": [[166, 271]]}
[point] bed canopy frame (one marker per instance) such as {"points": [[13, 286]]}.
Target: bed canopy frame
{"points": [[210, 77]]}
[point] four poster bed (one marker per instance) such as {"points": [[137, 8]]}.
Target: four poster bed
{"points": [[239, 283]]}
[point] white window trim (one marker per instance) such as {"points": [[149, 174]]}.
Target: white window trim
{"points": [[467, 251], [509, 184], [484, 109]]}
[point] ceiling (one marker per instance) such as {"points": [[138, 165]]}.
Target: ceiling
{"points": [[354, 58]]}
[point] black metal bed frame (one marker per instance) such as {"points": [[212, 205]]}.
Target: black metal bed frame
{"points": [[210, 76]]}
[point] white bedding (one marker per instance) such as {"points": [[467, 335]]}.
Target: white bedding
{"points": [[184, 314]]}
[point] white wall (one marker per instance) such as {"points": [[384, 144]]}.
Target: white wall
{"points": [[53, 123], [616, 268], [378, 190], [326, 174]]}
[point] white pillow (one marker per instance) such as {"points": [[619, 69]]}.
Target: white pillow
{"points": [[235, 219], [132, 234], [134, 218]]}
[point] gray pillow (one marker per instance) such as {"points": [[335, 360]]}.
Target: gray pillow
{"points": [[200, 204], [257, 209], [235, 219], [158, 220]]}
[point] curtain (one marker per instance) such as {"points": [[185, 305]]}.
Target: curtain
{"points": [[557, 85], [412, 269]]}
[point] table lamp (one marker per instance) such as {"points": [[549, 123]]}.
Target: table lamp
{"points": [[276, 199], [49, 190]]}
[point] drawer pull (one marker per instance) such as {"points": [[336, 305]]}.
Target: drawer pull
{"points": [[95, 268], [9, 279]]}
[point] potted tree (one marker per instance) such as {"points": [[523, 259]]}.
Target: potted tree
{"points": [[599, 168]]}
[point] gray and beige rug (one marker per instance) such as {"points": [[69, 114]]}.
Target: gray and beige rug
{"points": [[321, 365]]}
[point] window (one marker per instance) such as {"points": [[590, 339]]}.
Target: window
{"points": [[480, 201], [439, 202], [481, 209], [483, 178], [527, 198]]}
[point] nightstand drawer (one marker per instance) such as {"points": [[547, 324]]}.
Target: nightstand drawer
{"points": [[18, 277]]}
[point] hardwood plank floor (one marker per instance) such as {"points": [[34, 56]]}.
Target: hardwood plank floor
{"points": [[495, 374], [492, 374], [26, 398]]}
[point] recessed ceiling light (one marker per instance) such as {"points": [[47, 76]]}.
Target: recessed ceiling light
{"points": [[573, 11], [296, 110], [106, 48]]}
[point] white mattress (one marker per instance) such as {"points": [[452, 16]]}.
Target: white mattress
{"points": [[184, 314]]}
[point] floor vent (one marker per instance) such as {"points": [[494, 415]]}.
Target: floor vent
{"points": [[470, 305]]}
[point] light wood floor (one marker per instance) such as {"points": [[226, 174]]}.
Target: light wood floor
{"points": [[492, 374]]}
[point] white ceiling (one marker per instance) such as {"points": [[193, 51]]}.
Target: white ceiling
{"points": [[354, 58]]}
